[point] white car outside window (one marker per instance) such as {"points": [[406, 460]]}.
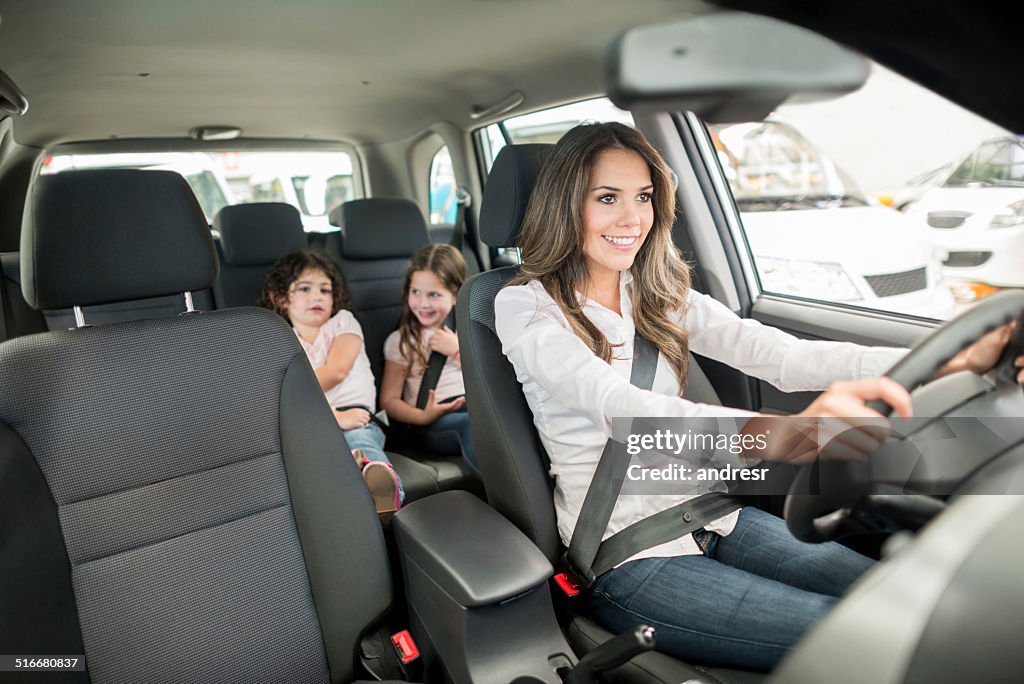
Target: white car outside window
{"points": [[814, 234], [977, 216]]}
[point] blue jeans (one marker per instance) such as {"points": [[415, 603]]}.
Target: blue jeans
{"points": [[450, 434], [370, 438], [742, 604]]}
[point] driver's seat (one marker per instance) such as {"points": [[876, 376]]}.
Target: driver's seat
{"points": [[512, 461]]}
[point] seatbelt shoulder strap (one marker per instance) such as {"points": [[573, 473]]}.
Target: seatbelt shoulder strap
{"points": [[608, 477], [435, 364]]}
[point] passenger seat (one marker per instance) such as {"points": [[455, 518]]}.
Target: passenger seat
{"points": [[176, 499], [249, 239]]}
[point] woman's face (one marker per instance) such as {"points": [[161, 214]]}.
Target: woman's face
{"points": [[617, 212]]}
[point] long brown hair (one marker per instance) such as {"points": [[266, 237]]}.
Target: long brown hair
{"points": [[552, 236], [449, 266], [278, 280]]}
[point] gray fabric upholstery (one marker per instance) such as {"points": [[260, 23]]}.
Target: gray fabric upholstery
{"points": [[375, 286], [183, 485], [27, 320], [21, 319], [512, 461], [251, 237], [346, 559], [100, 236], [379, 228], [258, 234], [37, 603], [509, 185]]}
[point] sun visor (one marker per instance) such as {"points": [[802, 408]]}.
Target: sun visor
{"points": [[728, 67]]}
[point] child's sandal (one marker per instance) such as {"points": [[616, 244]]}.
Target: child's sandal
{"points": [[383, 485]]}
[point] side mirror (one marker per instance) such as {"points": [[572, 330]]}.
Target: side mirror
{"points": [[728, 67]]}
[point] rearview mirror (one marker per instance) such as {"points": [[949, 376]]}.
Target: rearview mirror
{"points": [[728, 67]]}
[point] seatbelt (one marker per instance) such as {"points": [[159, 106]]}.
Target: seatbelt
{"points": [[435, 364], [587, 557], [373, 416], [465, 224], [462, 200], [6, 325]]}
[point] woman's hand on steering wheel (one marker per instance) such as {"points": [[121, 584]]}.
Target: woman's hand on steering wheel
{"points": [[838, 425], [983, 355]]}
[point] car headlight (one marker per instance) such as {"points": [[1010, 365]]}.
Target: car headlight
{"points": [[814, 279], [1009, 219]]}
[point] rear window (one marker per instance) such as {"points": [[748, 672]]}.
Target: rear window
{"points": [[312, 182]]}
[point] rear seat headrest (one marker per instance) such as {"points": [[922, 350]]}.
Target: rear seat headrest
{"points": [[113, 235], [259, 234], [509, 184], [380, 228]]}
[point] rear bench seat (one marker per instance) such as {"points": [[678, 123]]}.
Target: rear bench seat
{"points": [[373, 257], [377, 238], [249, 239]]}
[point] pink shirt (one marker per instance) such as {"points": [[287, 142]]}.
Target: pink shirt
{"points": [[358, 388], [448, 385]]}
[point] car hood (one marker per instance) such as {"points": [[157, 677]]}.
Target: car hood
{"points": [[865, 240], [975, 200]]}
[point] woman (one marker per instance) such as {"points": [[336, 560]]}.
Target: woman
{"points": [[599, 266]]}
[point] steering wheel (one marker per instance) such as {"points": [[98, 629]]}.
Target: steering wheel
{"points": [[824, 516]]}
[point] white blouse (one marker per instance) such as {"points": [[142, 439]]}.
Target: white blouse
{"points": [[574, 395]]}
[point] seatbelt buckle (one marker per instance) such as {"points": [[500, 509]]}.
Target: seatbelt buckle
{"points": [[567, 584], [575, 580], [405, 646]]}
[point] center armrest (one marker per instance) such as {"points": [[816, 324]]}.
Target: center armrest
{"points": [[474, 554]]}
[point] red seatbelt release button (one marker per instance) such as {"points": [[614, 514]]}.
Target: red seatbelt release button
{"points": [[567, 585], [406, 647]]}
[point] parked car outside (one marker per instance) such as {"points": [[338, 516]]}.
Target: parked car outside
{"points": [[902, 196], [977, 216], [789, 193], [203, 176]]}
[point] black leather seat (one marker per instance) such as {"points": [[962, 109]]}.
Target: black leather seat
{"points": [[252, 238], [176, 500], [512, 460]]}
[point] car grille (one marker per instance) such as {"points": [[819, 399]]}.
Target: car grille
{"points": [[947, 219], [966, 259], [892, 284]]}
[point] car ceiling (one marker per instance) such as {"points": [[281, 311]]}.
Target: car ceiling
{"points": [[357, 70]]}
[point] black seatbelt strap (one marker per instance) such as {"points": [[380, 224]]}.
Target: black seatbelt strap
{"points": [[672, 523], [462, 200], [373, 416], [465, 224], [6, 322], [587, 557], [435, 364]]}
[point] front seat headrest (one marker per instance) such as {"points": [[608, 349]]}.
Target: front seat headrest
{"points": [[380, 228], [113, 235], [509, 185], [260, 233]]}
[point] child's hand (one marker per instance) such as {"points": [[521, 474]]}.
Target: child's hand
{"points": [[444, 341], [434, 410], [352, 418]]}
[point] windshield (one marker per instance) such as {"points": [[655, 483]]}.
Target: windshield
{"points": [[994, 163], [771, 167]]}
